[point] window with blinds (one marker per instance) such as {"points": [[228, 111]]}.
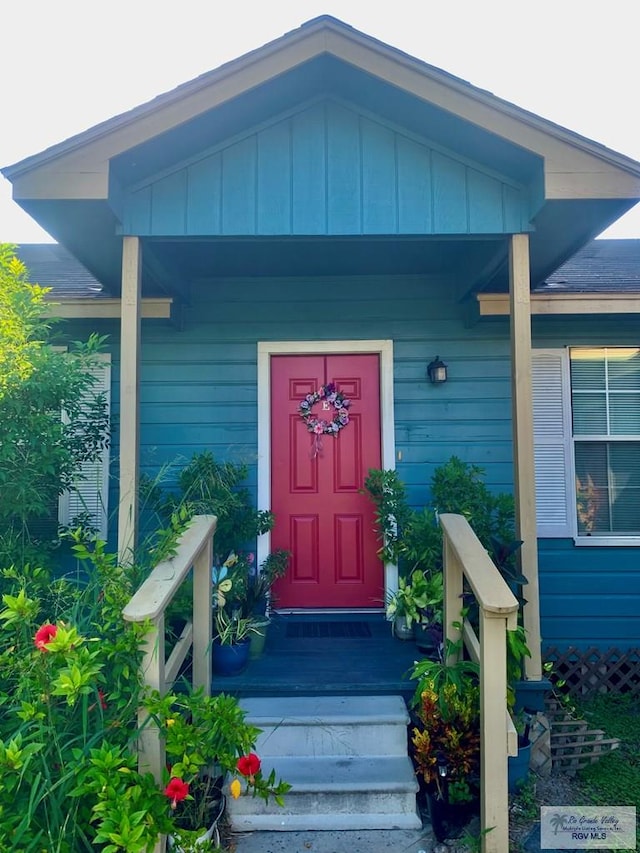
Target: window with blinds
{"points": [[89, 497], [605, 406]]}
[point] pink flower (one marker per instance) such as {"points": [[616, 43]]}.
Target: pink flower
{"points": [[318, 429], [44, 635], [176, 790]]}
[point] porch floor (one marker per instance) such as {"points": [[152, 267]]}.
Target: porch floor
{"points": [[295, 664]]}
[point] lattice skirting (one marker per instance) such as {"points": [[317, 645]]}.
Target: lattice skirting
{"points": [[589, 671]]}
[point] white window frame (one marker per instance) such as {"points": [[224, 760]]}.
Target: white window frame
{"points": [[608, 539], [553, 433]]}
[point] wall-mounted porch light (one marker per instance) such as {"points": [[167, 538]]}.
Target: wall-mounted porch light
{"points": [[437, 371]]}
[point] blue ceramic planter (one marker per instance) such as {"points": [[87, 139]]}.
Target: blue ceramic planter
{"points": [[519, 766], [230, 659]]}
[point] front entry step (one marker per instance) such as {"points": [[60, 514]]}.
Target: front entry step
{"points": [[345, 758]]}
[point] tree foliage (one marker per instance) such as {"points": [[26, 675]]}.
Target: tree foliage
{"points": [[52, 418]]}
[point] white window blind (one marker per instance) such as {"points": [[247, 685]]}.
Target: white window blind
{"points": [[91, 489], [555, 504]]}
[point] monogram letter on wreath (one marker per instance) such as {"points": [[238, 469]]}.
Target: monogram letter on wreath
{"points": [[333, 402]]}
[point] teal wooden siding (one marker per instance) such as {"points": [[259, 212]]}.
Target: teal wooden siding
{"points": [[589, 596], [328, 169], [199, 391], [199, 386]]}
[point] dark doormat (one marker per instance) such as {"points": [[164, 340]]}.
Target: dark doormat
{"points": [[339, 630]]}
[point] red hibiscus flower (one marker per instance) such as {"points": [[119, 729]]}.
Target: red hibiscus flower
{"points": [[44, 635], [248, 765], [176, 790]]}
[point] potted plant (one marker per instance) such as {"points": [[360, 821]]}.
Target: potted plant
{"points": [[405, 604], [207, 741], [259, 597], [245, 594], [232, 636], [412, 540], [445, 739], [427, 630]]}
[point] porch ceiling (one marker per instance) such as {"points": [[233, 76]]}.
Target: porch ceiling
{"points": [[306, 257], [86, 229]]}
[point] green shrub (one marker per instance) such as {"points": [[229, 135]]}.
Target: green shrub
{"points": [[40, 450], [70, 691], [207, 486]]}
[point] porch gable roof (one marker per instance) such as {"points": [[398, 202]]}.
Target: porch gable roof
{"points": [[76, 189], [322, 36]]}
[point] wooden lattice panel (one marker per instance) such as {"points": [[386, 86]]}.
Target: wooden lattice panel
{"points": [[573, 744], [588, 671]]}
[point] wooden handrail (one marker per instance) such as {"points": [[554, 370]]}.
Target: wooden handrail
{"points": [[488, 585], [194, 550], [157, 591], [466, 558]]}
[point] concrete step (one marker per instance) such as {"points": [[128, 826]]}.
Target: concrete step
{"points": [[345, 758], [336, 792], [329, 725]]}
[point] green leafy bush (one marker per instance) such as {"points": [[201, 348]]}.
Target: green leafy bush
{"points": [[206, 485], [40, 449], [70, 691]]}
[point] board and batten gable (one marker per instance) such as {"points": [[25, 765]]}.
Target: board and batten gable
{"points": [[327, 169], [589, 596]]}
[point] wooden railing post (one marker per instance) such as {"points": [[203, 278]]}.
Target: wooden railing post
{"points": [[202, 618], [151, 753], [494, 797], [465, 557], [453, 577], [194, 551]]}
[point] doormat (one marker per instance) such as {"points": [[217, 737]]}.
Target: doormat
{"points": [[318, 630]]}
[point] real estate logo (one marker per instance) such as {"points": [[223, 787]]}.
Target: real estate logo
{"points": [[590, 827]]}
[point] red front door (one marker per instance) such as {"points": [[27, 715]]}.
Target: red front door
{"points": [[321, 515]]}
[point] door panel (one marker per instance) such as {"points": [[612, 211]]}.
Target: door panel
{"points": [[321, 515]]}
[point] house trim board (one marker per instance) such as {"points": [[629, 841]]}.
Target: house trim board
{"points": [[129, 398], [106, 308], [497, 304], [266, 349]]}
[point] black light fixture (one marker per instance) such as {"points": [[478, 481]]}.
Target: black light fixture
{"points": [[437, 371]]}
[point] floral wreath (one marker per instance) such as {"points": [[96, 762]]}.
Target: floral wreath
{"points": [[335, 398]]}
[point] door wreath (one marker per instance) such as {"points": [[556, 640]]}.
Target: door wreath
{"points": [[332, 400]]}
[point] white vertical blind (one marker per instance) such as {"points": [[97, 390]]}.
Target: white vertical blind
{"points": [[552, 442], [91, 489]]}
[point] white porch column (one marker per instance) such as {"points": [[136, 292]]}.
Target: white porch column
{"points": [[129, 397], [522, 416]]}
